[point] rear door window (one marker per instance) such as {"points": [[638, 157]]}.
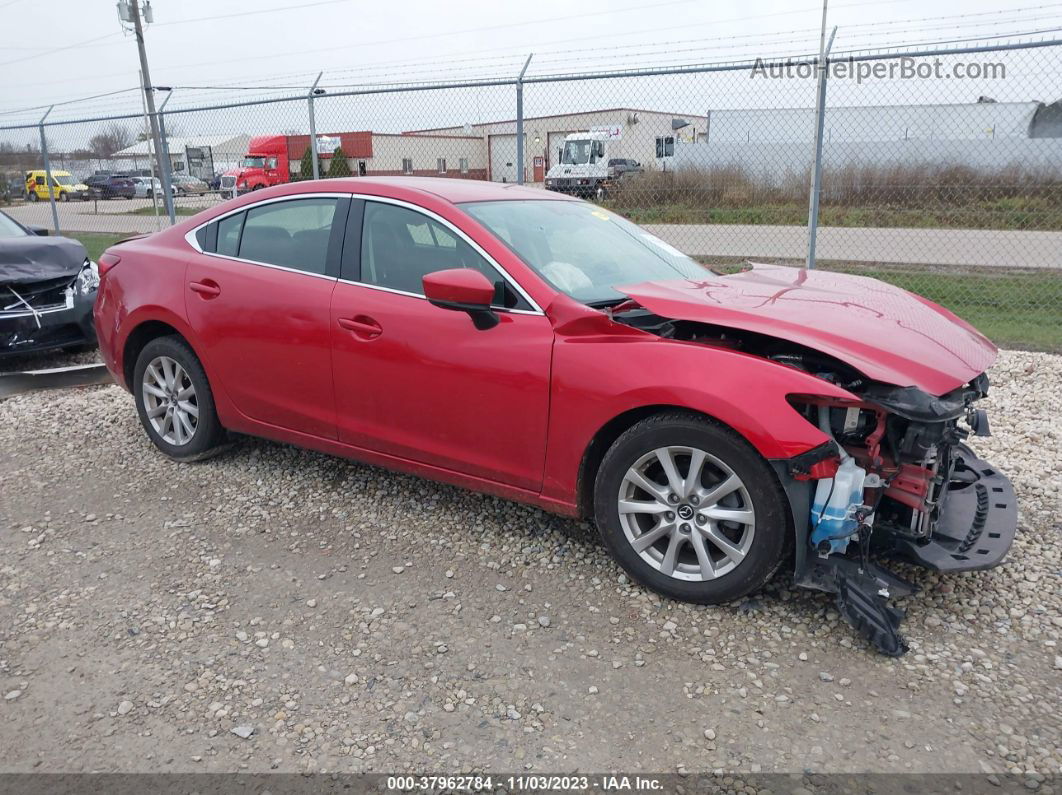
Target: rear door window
{"points": [[292, 234]]}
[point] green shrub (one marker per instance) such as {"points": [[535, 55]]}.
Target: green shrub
{"points": [[340, 166], [306, 164]]}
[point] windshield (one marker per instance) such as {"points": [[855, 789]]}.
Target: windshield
{"points": [[576, 153], [64, 180], [581, 249], [9, 228], [254, 162]]}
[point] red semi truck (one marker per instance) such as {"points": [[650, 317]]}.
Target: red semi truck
{"points": [[270, 159]]}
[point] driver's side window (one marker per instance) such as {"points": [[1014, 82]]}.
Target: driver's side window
{"points": [[399, 247]]}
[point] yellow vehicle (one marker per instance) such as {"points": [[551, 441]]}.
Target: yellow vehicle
{"points": [[64, 186]]}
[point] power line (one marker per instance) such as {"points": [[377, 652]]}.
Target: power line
{"points": [[243, 14], [61, 49], [273, 55], [613, 48], [632, 51], [69, 101]]}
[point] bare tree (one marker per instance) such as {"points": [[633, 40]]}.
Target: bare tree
{"points": [[114, 138]]}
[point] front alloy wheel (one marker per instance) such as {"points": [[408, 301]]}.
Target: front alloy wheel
{"points": [[170, 401], [690, 509], [686, 513]]}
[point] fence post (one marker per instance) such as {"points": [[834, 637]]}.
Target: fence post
{"points": [[520, 122], [167, 181], [48, 172], [820, 123], [313, 126]]}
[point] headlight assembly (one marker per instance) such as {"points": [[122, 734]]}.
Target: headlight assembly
{"points": [[88, 279]]}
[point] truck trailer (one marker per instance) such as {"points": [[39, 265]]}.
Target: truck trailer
{"points": [[274, 159]]}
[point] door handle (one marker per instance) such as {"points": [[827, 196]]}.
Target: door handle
{"points": [[206, 288], [362, 326]]}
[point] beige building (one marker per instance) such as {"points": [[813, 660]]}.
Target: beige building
{"points": [[424, 156], [644, 135]]}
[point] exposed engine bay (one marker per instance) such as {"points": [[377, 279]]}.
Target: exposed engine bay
{"points": [[895, 479]]}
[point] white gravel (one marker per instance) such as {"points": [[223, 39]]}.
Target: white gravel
{"points": [[247, 614]]}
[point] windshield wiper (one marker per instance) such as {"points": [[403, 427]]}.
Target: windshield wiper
{"points": [[607, 302]]}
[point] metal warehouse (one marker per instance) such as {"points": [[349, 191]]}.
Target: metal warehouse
{"points": [[983, 135]]}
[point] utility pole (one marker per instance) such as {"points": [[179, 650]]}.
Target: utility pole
{"points": [[820, 119], [313, 92], [520, 122], [149, 97]]}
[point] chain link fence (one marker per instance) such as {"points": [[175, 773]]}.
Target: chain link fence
{"points": [[940, 170]]}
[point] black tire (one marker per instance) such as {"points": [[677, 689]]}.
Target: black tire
{"points": [[772, 533], [209, 437], [64, 196]]}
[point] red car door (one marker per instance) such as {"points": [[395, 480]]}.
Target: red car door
{"points": [[422, 383], [258, 298]]}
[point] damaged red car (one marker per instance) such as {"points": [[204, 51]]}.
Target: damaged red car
{"points": [[540, 348]]}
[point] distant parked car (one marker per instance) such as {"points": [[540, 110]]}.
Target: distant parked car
{"points": [[147, 187], [620, 167], [110, 186], [12, 188], [188, 185], [47, 289], [64, 186]]}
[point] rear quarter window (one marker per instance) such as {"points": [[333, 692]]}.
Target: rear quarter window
{"points": [[229, 235]]}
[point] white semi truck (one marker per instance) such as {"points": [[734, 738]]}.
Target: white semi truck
{"points": [[590, 164]]}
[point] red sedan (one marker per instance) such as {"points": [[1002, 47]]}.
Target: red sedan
{"points": [[538, 347]]}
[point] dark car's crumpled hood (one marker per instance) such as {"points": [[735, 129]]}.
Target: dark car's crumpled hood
{"points": [[886, 333], [33, 258]]}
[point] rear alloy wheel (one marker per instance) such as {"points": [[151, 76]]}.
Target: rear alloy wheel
{"points": [[691, 510], [174, 401], [170, 401]]}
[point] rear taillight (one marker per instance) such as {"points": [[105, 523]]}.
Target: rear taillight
{"points": [[106, 262]]}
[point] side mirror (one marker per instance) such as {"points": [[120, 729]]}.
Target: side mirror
{"points": [[40, 231], [465, 290]]}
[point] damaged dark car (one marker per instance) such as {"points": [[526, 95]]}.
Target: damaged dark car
{"points": [[47, 289]]}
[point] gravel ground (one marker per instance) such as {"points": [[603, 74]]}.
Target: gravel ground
{"points": [[275, 609]]}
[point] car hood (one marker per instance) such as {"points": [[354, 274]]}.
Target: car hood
{"points": [[33, 258], [886, 333]]}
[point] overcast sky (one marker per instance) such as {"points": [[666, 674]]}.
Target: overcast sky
{"points": [[200, 45]]}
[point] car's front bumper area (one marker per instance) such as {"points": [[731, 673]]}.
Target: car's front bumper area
{"points": [[28, 332], [977, 523], [574, 186]]}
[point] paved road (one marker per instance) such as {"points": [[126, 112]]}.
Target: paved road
{"points": [[962, 247], [954, 247]]}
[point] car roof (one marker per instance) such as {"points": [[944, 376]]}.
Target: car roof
{"points": [[452, 190]]}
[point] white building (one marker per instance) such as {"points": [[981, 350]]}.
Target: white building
{"points": [[209, 153]]}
